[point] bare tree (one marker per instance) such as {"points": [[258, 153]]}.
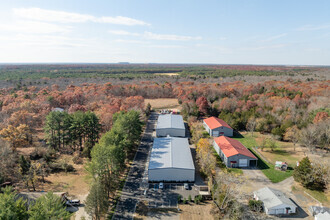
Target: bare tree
{"points": [[292, 134], [308, 138], [226, 192], [251, 125]]}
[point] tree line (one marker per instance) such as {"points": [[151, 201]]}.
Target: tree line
{"points": [[108, 159], [48, 206], [77, 130]]}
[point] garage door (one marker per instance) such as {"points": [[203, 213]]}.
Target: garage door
{"points": [[215, 133], [279, 211], [243, 162]]}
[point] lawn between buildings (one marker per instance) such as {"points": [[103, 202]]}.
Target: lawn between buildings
{"points": [[268, 169]]}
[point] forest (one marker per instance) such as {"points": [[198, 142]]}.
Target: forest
{"points": [[92, 121], [131, 71]]}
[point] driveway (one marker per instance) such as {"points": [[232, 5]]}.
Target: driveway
{"points": [[132, 189], [255, 180], [81, 209]]}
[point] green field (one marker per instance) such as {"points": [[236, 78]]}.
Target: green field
{"points": [[268, 169]]}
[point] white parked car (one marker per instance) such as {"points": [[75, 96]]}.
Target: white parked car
{"points": [[161, 185], [186, 186]]}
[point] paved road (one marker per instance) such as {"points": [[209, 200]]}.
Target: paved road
{"points": [[132, 190]]}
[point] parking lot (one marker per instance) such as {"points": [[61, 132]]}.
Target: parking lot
{"points": [[168, 196]]}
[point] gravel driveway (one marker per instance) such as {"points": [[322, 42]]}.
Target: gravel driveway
{"points": [[255, 179]]}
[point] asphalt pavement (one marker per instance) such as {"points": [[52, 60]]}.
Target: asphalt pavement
{"points": [[132, 191]]}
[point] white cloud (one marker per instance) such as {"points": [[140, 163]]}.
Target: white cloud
{"points": [[51, 15], [34, 27], [39, 14], [166, 46], [275, 37], [120, 20], [222, 38], [153, 36], [313, 27], [131, 41], [121, 32]]}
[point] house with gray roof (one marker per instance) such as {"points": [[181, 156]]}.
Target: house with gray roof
{"points": [[320, 212], [275, 202]]}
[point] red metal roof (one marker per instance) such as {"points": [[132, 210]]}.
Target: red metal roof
{"points": [[214, 122], [231, 147]]}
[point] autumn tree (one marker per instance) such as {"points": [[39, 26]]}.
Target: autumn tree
{"points": [[292, 134], [320, 116], [205, 157], [203, 105], [16, 136]]}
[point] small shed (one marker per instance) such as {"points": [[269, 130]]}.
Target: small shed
{"points": [[217, 127], [275, 202], [170, 125]]}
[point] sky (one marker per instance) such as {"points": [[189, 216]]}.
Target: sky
{"points": [[294, 32]]}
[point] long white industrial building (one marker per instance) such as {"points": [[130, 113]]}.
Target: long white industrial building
{"points": [[170, 124], [171, 161]]}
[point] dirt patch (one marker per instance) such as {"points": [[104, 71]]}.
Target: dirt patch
{"points": [[196, 212], [26, 151], [75, 183], [164, 103]]}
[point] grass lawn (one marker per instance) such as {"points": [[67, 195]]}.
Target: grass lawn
{"points": [[223, 166], [268, 169], [320, 196], [235, 170]]}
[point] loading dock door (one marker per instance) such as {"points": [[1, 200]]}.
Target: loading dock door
{"points": [[215, 133], [243, 163]]}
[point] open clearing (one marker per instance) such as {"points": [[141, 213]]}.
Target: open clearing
{"points": [[196, 212], [75, 183], [188, 211], [163, 103], [167, 74]]}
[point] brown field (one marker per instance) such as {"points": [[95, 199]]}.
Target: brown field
{"points": [[196, 212], [163, 103], [75, 183], [188, 211], [167, 74]]}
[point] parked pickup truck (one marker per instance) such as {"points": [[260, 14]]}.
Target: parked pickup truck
{"points": [[73, 202]]}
